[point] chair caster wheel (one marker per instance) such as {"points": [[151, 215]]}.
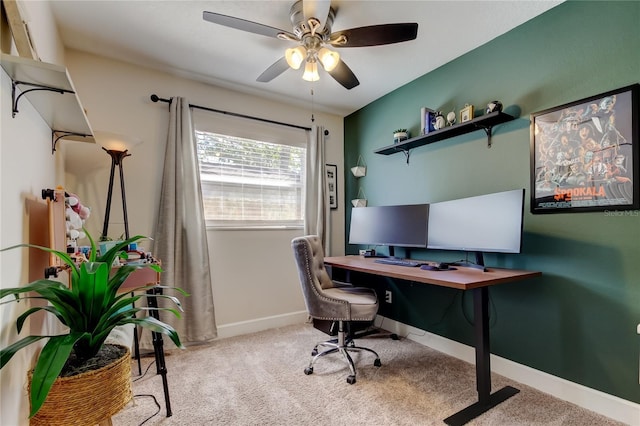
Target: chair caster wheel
{"points": [[394, 336], [377, 362], [351, 379], [308, 370], [314, 352]]}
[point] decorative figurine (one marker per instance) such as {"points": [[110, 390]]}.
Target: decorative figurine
{"points": [[439, 121], [451, 118], [494, 106]]}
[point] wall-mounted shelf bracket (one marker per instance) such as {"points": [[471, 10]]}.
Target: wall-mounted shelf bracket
{"points": [[15, 99], [487, 130], [56, 135]]}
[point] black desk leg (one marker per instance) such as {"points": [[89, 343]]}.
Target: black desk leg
{"points": [[486, 400], [158, 348]]}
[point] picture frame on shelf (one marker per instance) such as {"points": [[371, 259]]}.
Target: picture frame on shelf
{"points": [[331, 171], [585, 154], [466, 113]]}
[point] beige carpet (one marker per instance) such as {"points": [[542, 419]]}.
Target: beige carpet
{"points": [[258, 379]]}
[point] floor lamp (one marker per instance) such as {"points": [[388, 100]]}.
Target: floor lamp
{"points": [[117, 146]]}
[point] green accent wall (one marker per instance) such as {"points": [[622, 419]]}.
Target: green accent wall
{"points": [[578, 321]]}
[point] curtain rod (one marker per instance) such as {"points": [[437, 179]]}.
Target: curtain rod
{"points": [[155, 98]]}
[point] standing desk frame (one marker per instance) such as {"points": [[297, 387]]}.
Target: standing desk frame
{"points": [[463, 278]]}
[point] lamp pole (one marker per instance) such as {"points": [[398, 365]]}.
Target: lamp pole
{"points": [[116, 160]]}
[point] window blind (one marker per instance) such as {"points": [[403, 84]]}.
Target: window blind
{"points": [[252, 174]]}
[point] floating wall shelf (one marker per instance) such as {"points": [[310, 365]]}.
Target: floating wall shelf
{"points": [[50, 90], [484, 122]]}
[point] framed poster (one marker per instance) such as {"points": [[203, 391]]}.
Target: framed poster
{"points": [[584, 154], [332, 185]]}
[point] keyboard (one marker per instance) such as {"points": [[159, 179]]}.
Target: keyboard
{"points": [[398, 262]]}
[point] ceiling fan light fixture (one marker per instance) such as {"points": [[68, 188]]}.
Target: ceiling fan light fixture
{"points": [[311, 71], [295, 56], [328, 58]]}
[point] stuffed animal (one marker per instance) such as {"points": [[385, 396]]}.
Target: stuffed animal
{"points": [[78, 207], [76, 213]]}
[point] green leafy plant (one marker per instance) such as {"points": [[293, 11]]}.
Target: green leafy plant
{"points": [[90, 307], [400, 131]]}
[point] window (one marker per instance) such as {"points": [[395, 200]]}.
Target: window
{"points": [[251, 183]]}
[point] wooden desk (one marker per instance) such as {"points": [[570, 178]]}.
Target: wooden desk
{"points": [[463, 278]]}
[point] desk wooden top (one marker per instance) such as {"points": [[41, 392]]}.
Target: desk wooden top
{"points": [[462, 277]]}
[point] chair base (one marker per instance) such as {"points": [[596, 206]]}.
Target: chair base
{"points": [[343, 345]]}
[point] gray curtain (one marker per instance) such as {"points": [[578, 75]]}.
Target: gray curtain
{"points": [[181, 237], [316, 205]]}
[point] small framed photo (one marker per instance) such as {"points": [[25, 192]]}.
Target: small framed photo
{"points": [[466, 113], [332, 185]]}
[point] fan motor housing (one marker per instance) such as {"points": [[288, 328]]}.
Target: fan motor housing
{"points": [[301, 25]]}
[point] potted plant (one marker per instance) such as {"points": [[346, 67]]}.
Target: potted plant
{"points": [[90, 307], [400, 135]]}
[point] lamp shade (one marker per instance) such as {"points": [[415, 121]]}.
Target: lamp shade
{"points": [[115, 142], [328, 58], [311, 71], [295, 56]]}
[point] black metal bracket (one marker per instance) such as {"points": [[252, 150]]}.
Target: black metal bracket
{"points": [[487, 130], [56, 135], [407, 154], [15, 99]]}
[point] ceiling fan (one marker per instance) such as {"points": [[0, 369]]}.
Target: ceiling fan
{"points": [[312, 21]]}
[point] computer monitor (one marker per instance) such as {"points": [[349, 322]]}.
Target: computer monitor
{"points": [[485, 223], [392, 226]]}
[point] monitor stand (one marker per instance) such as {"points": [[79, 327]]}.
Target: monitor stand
{"points": [[392, 253], [479, 264]]}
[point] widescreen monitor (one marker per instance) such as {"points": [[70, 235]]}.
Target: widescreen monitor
{"points": [[485, 223], [393, 226]]}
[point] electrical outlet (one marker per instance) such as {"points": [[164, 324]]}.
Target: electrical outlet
{"points": [[387, 296]]}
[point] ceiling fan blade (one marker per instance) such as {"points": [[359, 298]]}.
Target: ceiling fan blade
{"points": [[274, 70], [318, 9], [343, 75], [244, 25], [374, 35]]}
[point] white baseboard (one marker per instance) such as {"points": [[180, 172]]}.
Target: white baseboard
{"points": [[602, 403], [261, 324]]}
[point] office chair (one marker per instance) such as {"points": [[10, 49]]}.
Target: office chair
{"points": [[329, 300]]}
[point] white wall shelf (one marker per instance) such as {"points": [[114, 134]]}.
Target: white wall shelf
{"points": [[49, 89]]}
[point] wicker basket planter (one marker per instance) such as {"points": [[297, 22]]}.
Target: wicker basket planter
{"points": [[88, 398]]}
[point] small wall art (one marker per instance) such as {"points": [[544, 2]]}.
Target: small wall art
{"points": [[332, 185]]}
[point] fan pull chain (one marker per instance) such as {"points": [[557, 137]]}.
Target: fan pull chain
{"points": [[312, 118]]}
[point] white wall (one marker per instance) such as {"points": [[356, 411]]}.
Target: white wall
{"points": [[253, 274], [254, 278], [26, 166]]}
